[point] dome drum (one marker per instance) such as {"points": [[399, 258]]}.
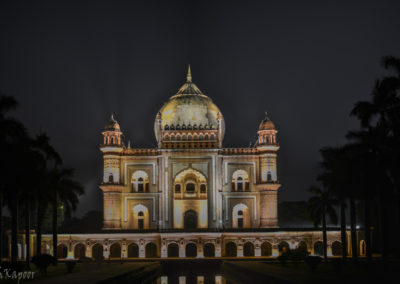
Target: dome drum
{"points": [[189, 138]]}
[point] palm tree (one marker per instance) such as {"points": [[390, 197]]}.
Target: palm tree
{"points": [[335, 177], [43, 190], [380, 122], [12, 135], [32, 167], [385, 101], [320, 205], [369, 150], [65, 193]]}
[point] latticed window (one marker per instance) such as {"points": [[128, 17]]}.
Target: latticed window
{"points": [[177, 188], [203, 188]]}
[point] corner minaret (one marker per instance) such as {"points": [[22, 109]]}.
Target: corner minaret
{"points": [[268, 184], [112, 185], [266, 133]]}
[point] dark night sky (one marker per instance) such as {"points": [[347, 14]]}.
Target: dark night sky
{"points": [[72, 64]]}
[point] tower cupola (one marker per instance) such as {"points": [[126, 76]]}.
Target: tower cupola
{"points": [[266, 133], [112, 133]]}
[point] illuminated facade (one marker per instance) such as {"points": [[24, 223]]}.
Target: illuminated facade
{"points": [[190, 197], [190, 181]]}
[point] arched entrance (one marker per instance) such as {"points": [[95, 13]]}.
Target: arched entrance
{"points": [[319, 248], [115, 250], [62, 251], [302, 247], [230, 249], [97, 252], [190, 208], [266, 249], [283, 247], [191, 250], [336, 248], [79, 251], [209, 250], [151, 250], [133, 250], [190, 219], [248, 249], [173, 250]]}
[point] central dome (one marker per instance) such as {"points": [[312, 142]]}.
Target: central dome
{"points": [[189, 106]]}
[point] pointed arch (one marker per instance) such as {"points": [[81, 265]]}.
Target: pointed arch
{"points": [[173, 250], [151, 250], [115, 250], [283, 247], [230, 249], [79, 250], [266, 249], [62, 251], [240, 180], [240, 216], [133, 250], [337, 248], [140, 217], [97, 251], [209, 250], [140, 181], [191, 250], [318, 248], [248, 249]]}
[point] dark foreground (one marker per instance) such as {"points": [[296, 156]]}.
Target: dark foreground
{"points": [[249, 271]]}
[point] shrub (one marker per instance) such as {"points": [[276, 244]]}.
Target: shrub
{"points": [[283, 258], [298, 255], [43, 261], [70, 265], [313, 262], [85, 259]]}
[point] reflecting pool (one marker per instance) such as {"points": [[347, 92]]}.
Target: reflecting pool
{"points": [[191, 272]]}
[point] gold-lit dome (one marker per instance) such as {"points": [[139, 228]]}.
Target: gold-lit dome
{"points": [[266, 124], [189, 107], [112, 125]]}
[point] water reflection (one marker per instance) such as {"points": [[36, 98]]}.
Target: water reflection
{"points": [[218, 279], [191, 272]]}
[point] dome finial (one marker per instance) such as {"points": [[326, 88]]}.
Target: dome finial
{"points": [[266, 116], [189, 75]]}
